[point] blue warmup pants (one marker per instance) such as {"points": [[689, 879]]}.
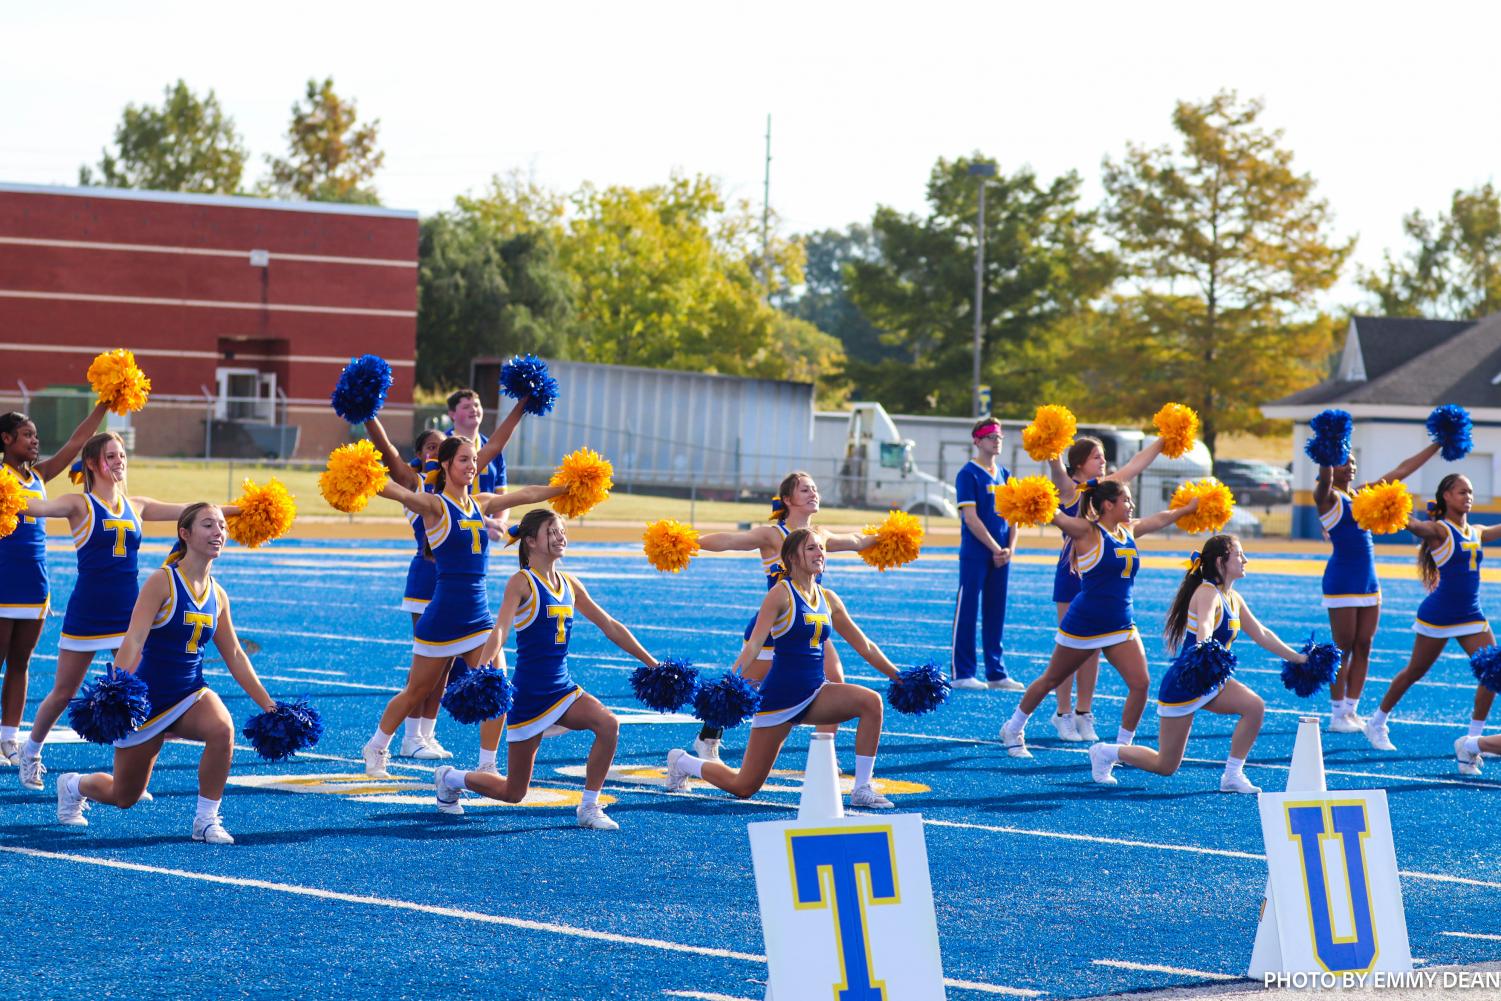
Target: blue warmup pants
{"points": [[982, 595]]}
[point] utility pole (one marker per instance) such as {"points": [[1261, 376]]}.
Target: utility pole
{"points": [[980, 171], [766, 214]]}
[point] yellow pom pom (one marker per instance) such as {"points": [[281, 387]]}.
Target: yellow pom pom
{"points": [[898, 541], [1382, 507], [354, 475], [121, 385], [1028, 500], [669, 545], [12, 501], [266, 513], [587, 475], [1050, 432], [1216, 504], [1179, 426]]}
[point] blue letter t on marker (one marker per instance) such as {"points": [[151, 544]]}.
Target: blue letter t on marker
{"points": [[826, 868]]}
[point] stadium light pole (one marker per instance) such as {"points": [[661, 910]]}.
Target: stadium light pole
{"points": [[980, 171]]}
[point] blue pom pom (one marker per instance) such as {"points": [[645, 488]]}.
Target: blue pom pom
{"points": [[1322, 665], [109, 707], [919, 690], [288, 728], [361, 390], [526, 376], [726, 703], [1203, 667], [1486, 663], [667, 687], [1450, 427], [1330, 444], [479, 694]]}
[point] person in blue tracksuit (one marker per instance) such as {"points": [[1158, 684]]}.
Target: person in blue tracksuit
{"points": [[1449, 562], [986, 544], [1206, 607]]}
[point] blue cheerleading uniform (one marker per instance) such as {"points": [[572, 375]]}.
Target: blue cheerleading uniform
{"points": [[1350, 574], [796, 673], [422, 572], [544, 688], [1453, 607], [1101, 615], [23, 561], [172, 656], [774, 571], [982, 584], [98, 613], [1065, 581], [1174, 698], [458, 617]]}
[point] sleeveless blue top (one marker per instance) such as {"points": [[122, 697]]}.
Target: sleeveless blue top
{"points": [[797, 650], [1350, 573], [172, 657], [1456, 599], [108, 572], [23, 559], [1172, 691], [1102, 608]]}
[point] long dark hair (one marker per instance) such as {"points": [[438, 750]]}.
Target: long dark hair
{"points": [[1096, 496], [184, 524], [525, 530], [1081, 450], [1437, 511], [1204, 569], [446, 452]]}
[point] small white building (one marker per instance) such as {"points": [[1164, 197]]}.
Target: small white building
{"points": [[1391, 375]]}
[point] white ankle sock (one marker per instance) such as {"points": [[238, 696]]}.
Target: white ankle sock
{"points": [[1112, 753], [1019, 720], [1379, 717], [10, 732], [1234, 766], [454, 780], [427, 726], [1477, 727], [73, 789], [591, 796], [1472, 744], [32, 748], [1351, 705], [413, 728], [865, 767], [487, 757], [207, 808], [1124, 736], [693, 766], [381, 739]]}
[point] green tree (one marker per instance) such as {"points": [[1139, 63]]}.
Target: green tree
{"points": [[187, 144], [331, 155], [1227, 248], [1041, 271], [1453, 271], [824, 300]]}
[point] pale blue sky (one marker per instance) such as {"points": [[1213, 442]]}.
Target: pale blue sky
{"points": [[1389, 106]]}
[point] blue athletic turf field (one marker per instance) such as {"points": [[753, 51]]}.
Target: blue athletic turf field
{"points": [[1045, 883]]}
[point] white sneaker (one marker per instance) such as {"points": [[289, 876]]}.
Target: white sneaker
{"points": [[1064, 724], [1469, 764], [1014, 741], [10, 752], [32, 771], [971, 684], [146, 797], [1344, 723], [376, 760], [1237, 783], [70, 807], [1377, 735], [1006, 685], [448, 799], [592, 816], [418, 747], [677, 778], [707, 748], [1100, 767], [211, 831], [866, 798], [1084, 723], [438, 751]]}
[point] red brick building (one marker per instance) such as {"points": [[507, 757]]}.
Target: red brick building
{"points": [[240, 310]]}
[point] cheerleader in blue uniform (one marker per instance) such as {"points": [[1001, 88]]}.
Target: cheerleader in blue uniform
{"points": [[1449, 562], [180, 609], [1206, 607], [798, 614], [23, 565], [1351, 592], [457, 619], [1099, 619], [106, 528], [986, 545], [539, 605], [794, 506], [1074, 473]]}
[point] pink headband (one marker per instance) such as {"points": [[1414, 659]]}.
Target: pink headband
{"points": [[986, 429]]}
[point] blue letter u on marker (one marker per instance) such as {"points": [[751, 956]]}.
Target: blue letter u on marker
{"points": [[1309, 825], [826, 868]]}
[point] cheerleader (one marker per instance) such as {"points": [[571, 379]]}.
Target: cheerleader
{"points": [[1080, 468], [1206, 607], [106, 527], [796, 615], [465, 412], [793, 507], [1449, 560], [540, 601], [986, 545], [1351, 592], [180, 609], [1099, 619], [457, 619], [23, 564]]}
